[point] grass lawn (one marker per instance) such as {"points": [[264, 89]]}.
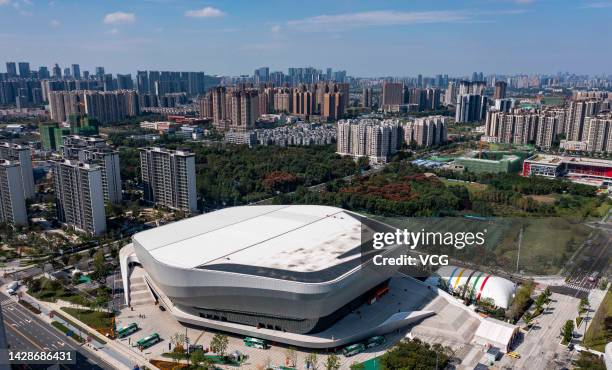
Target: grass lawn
{"points": [[371, 364], [472, 187], [598, 334], [99, 320], [546, 245]]}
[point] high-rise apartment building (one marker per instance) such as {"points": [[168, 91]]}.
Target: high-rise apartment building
{"points": [[333, 107], [79, 195], [579, 113], [168, 178], [471, 108], [599, 136], [21, 154], [425, 131], [95, 151], [366, 97], [500, 90], [377, 140], [24, 70], [12, 201], [392, 94], [103, 106], [76, 71], [11, 69], [244, 109]]}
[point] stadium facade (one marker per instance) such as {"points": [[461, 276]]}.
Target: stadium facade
{"points": [[296, 269]]}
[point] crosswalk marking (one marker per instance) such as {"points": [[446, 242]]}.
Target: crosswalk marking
{"points": [[577, 287]]}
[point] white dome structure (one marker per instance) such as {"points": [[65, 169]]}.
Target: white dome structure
{"points": [[475, 285]]}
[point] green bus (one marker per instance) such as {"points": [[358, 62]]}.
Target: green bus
{"points": [[255, 343], [147, 342], [353, 349], [375, 341], [127, 330]]}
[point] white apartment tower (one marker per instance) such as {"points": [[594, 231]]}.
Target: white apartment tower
{"points": [[12, 200], [96, 151], [20, 153], [168, 178], [79, 196]]}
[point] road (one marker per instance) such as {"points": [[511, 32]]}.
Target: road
{"points": [[25, 331]]}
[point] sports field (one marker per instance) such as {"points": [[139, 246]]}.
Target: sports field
{"points": [[545, 243]]}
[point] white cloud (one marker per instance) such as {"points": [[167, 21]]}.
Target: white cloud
{"points": [[119, 17], [55, 23], [113, 31], [376, 18], [206, 12], [275, 28]]}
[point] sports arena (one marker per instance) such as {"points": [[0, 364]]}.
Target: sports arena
{"points": [[296, 269]]}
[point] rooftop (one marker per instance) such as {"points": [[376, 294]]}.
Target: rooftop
{"points": [[298, 242], [556, 160]]}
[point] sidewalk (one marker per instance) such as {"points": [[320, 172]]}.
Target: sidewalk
{"points": [[114, 353]]}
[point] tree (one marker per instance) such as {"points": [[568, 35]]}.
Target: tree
{"points": [[219, 344], [99, 265], [312, 362], [177, 340], [567, 331], [291, 356], [332, 362], [357, 366], [414, 354], [583, 305], [177, 354], [527, 318]]}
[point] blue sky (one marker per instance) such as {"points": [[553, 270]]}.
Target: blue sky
{"points": [[367, 38]]}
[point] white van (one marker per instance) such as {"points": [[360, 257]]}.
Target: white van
{"points": [[11, 289]]}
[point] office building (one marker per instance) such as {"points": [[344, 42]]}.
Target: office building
{"points": [[21, 154], [582, 170], [12, 200], [79, 196], [168, 178]]}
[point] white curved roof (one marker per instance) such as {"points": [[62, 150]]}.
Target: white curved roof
{"points": [[300, 238], [482, 285]]}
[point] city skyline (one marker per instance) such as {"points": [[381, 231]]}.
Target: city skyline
{"points": [[368, 39]]}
